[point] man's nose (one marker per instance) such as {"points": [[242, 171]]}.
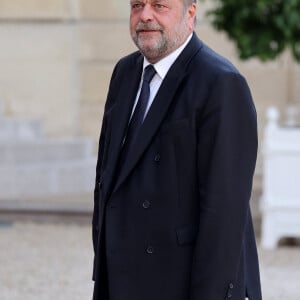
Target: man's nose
{"points": [[147, 13]]}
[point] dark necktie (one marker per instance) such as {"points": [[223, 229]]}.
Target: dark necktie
{"points": [[139, 112]]}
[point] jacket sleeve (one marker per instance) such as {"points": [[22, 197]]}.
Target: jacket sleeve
{"points": [[227, 149], [95, 220], [99, 167]]}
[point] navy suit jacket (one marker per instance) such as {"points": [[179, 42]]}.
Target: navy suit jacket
{"points": [[174, 223]]}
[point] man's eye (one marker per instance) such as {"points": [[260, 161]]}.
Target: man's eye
{"points": [[158, 5], [136, 5]]}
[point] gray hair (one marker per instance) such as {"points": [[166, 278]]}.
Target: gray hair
{"points": [[189, 2]]}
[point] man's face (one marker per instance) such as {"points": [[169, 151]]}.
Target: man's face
{"points": [[158, 27]]}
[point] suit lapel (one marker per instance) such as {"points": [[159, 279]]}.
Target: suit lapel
{"points": [[159, 108], [120, 117]]}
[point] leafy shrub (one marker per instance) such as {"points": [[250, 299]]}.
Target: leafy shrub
{"points": [[260, 28]]}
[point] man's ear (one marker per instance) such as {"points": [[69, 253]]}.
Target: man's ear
{"points": [[192, 13]]}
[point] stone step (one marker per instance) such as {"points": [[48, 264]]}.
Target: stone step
{"points": [[44, 150], [47, 178]]}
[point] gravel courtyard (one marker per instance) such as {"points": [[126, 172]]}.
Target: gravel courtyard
{"points": [[43, 261]]}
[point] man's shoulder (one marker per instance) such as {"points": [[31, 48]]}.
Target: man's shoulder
{"points": [[130, 60], [213, 62], [125, 65]]}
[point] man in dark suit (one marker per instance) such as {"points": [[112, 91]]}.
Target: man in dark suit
{"points": [[174, 175]]}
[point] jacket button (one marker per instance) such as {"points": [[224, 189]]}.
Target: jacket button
{"points": [[146, 204], [231, 285], [157, 158], [229, 295], [150, 250]]}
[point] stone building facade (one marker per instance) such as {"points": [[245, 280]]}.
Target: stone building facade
{"points": [[56, 58]]}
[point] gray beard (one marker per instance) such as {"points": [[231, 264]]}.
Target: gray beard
{"points": [[161, 49]]}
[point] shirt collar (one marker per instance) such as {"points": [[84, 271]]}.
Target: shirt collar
{"points": [[162, 67]]}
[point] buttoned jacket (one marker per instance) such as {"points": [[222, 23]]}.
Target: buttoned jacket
{"points": [[174, 222]]}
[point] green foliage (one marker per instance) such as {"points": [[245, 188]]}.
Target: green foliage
{"points": [[260, 28]]}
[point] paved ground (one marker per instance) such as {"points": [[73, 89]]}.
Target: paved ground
{"points": [[41, 261]]}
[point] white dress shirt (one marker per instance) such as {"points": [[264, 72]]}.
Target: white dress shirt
{"points": [[161, 67]]}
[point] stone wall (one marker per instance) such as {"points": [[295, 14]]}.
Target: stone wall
{"points": [[39, 75], [57, 56]]}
